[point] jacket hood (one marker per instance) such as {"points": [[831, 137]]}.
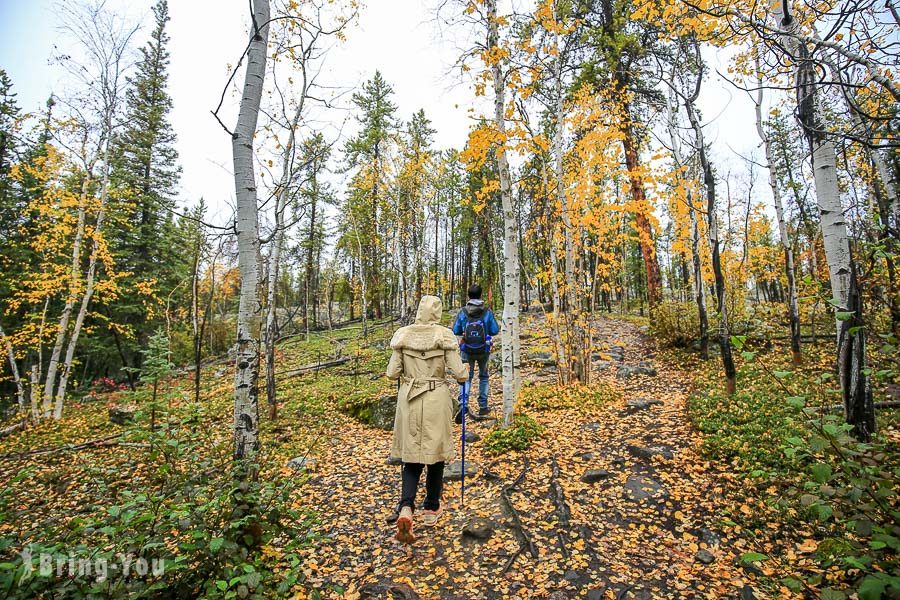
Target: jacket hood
{"points": [[475, 308], [427, 333], [430, 309]]}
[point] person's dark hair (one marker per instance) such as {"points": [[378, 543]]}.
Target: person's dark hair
{"points": [[474, 291]]}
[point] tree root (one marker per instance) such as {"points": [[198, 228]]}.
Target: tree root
{"points": [[525, 541], [562, 509]]}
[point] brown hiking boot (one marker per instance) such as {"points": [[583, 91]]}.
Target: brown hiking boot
{"points": [[431, 517], [405, 526]]}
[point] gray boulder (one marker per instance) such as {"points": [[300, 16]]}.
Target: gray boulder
{"points": [[383, 412], [639, 488], [478, 529], [544, 359], [453, 470], [120, 415], [301, 463], [707, 536], [594, 475], [648, 452], [637, 404], [642, 368]]}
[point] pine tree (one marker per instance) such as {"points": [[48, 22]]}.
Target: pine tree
{"points": [[145, 175], [367, 155], [413, 184], [9, 112], [314, 194]]}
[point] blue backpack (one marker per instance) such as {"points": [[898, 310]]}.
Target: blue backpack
{"points": [[475, 340]]}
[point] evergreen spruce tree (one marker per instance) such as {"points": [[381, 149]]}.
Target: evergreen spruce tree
{"points": [[367, 156], [9, 112], [145, 174]]}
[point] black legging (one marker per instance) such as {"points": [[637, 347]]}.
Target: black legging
{"points": [[434, 485]]}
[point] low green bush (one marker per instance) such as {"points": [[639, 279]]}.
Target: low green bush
{"points": [[775, 432], [676, 324], [523, 432], [193, 530]]}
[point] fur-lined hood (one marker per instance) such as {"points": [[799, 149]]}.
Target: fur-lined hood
{"points": [[427, 334]]}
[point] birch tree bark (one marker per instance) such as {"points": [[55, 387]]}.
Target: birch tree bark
{"points": [[859, 410], [85, 299], [113, 95], [699, 291], [287, 172], [14, 368], [793, 300], [562, 353], [579, 365], [511, 343], [106, 41], [65, 316], [246, 377], [712, 232]]}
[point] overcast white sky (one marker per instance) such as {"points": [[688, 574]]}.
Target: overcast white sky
{"points": [[397, 37]]}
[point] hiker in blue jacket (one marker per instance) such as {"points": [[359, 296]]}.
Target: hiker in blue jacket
{"points": [[475, 326]]}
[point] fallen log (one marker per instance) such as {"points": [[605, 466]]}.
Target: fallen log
{"points": [[315, 367], [831, 407], [14, 427], [100, 442]]}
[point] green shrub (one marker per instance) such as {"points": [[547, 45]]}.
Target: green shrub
{"points": [[774, 433], [519, 436], [676, 324], [202, 533]]}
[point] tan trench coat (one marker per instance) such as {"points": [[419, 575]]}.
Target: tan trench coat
{"points": [[422, 355]]}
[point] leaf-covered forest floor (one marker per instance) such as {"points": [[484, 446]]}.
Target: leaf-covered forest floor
{"points": [[645, 528], [615, 500]]}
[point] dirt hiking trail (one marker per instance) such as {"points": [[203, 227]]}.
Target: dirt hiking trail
{"points": [[613, 502]]}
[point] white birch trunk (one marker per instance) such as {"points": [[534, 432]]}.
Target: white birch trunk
{"points": [[856, 392], [65, 316], [793, 300], [91, 276], [511, 343], [287, 171], [890, 184], [246, 377], [699, 292], [574, 336], [834, 228], [33, 391], [14, 368], [563, 363]]}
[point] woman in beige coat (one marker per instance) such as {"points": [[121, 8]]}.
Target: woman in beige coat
{"points": [[422, 356]]}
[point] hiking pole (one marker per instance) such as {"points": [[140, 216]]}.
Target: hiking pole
{"points": [[464, 408]]}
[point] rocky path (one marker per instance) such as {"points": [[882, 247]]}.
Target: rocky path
{"points": [[613, 503]]}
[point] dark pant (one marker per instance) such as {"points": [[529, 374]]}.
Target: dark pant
{"points": [[482, 361], [434, 485]]}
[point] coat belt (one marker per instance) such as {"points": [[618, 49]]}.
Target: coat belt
{"points": [[431, 382], [415, 383]]}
